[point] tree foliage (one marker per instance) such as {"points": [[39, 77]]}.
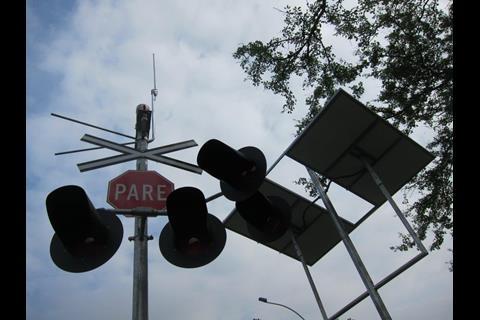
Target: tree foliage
{"points": [[406, 45]]}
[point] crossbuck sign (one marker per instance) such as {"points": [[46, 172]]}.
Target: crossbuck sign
{"points": [[155, 154]]}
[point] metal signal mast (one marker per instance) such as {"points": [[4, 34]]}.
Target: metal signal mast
{"points": [[67, 258]]}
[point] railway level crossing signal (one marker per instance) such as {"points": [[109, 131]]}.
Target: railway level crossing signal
{"points": [[86, 237]]}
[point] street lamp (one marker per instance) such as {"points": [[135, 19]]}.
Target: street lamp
{"points": [[278, 304]]}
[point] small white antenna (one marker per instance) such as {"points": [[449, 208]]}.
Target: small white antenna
{"points": [[154, 93]]}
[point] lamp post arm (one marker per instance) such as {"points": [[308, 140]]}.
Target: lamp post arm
{"points": [[278, 304]]}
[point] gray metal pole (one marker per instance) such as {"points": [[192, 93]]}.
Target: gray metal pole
{"points": [[309, 276], [380, 284], [357, 261], [399, 213], [140, 253]]}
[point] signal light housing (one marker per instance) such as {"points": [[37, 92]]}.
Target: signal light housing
{"points": [[240, 172], [268, 218], [192, 238], [84, 238]]}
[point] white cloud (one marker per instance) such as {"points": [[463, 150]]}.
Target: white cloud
{"points": [[102, 56]]}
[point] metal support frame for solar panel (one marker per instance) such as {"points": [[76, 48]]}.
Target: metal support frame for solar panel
{"points": [[308, 220], [359, 151]]}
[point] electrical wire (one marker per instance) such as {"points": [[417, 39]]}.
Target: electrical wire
{"points": [[305, 211], [326, 190]]}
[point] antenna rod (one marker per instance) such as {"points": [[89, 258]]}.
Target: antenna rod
{"points": [[154, 93], [154, 78], [91, 125]]}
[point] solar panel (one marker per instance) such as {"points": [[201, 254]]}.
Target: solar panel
{"points": [[315, 232], [345, 129]]}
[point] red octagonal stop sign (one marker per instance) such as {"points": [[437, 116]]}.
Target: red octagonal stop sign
{"points": [[134, 189]]}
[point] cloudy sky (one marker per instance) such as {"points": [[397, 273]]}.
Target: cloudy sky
{"points": [[92, 61]]}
